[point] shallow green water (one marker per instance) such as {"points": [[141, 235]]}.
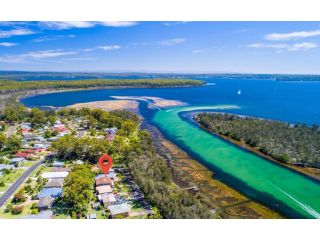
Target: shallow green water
{"points": [[289, 192]]}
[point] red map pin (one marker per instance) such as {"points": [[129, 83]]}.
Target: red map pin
{"points": [[105, 163]]}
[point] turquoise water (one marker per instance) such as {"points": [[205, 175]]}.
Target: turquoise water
{"points": [[278, 187]]}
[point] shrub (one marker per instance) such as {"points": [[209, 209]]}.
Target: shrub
{"points": [[2, 184], [34, 211], [17, 209], [19, 196], [8, 208]]}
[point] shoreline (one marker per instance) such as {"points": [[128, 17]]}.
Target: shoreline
{"points": [[189, 173], [311, 173]]}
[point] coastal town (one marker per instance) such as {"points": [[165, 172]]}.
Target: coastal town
{"points": [[33, 177]]}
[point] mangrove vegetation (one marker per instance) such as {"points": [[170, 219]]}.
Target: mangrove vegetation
{"points": [[296, 144]]}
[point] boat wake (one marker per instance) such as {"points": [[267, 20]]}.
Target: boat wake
{"points": [[305, 207], [197, 108]]}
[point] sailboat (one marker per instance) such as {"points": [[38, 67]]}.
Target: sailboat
{"points": [[239, 92]]}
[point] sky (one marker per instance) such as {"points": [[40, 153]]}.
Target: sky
{"points": [[170, 47]]}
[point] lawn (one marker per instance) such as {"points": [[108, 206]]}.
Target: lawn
{"points": [[29, 163], [10, 178], [26, 211]]}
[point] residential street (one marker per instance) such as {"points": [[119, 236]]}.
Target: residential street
{"points": [[11, 130], [11, 190]]}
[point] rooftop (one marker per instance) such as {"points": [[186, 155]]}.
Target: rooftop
{"points": [[119, 208]]}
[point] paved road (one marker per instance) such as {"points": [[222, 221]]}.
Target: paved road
{"points": [[11, 130], [11, 190]]}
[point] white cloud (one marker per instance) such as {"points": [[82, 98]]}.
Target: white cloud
{"points": [[285, 47], [11, 59], [47, 54], [302, 46], [37, 55], [52, 38], [110, 47], [172, 41], [7, 44], [118, 24], [67, 25], [263, 45], [292, 35], [83, 24], [15, 32]]}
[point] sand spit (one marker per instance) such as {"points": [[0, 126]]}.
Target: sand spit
{"points": [[155, 101]]}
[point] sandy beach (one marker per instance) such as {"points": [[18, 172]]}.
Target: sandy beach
{"points": [[156, 101], [130, 105]]}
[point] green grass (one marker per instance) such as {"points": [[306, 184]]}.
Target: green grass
{"points": [[10, 178], [28, 163], [26, 211]]}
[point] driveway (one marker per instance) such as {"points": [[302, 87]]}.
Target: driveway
{"points": [[11, 130]]}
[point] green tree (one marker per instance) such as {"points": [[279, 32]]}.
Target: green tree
{"points": [[78, 188], [3, 140], [13, 143], [37, 117]]}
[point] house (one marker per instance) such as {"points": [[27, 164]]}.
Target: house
{"points": [[26, 124], [79, 162], [17, 161], [104, 181], [27, 136], [108, 199], [120, 210], [52, 139], [5, 166], [57, 164], [110, 133], [104, 189], [111, 130], [60, 169], [44, 203], [111, 174], [40, 146], [55, 175], [50, 192], [22, 155], [55, 183], [92, 216]]}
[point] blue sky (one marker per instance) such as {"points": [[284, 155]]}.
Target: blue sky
{"points": [[208, 47]]}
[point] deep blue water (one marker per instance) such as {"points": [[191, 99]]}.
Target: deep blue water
{"points": [[294, 102]]}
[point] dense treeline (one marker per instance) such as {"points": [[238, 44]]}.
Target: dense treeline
{"points": [[152, 174], [293, 144], [7, 86], [78, 189]]}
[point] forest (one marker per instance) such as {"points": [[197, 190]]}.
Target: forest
{"points": [[9, 86], [296, 144]]}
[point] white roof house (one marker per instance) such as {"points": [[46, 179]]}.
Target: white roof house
{"points": [[48, 175], [119, 209], [40, 145], [17, 160], [57, 164], [5, 166], [108, 198]]}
